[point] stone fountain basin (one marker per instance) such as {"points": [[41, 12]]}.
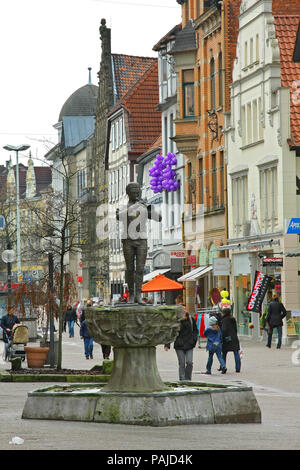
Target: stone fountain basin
{"points": [[181, 403]]}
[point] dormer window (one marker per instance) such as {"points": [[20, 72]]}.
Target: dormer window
{"points": [[296, 57]]}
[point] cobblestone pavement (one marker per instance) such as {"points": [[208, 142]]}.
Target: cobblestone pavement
{"points": [[272, 374]]}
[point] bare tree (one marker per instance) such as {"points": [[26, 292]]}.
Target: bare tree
{"points": [[57, 221]]}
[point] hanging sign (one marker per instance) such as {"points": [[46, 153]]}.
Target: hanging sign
{"points": [[293, 225], [259, 290], [221, 266], [272, 261]]}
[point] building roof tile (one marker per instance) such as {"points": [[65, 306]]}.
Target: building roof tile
{"points": [[286, 32], [127, 70], [140, 102]]}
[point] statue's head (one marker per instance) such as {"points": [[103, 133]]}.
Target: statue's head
{"points": [[133, 191]]}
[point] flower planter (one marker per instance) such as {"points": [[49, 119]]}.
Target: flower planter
{"points": [[36, 356]]}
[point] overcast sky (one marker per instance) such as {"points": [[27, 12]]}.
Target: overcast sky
{"points": [[46, 49]]}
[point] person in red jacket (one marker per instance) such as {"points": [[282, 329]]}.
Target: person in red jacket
{"points": [[126, 295]]}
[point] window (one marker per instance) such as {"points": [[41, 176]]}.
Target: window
{"points": [[252, 129], [201, 181], [81, 183], [251, 51], [113, 137], [109, 188], [164, 77], [255, 121], [212, 85], [165, 134], [220, 80], [214, 181], [171, 133], [268, 198], [120, 131], [199, 91], [189, 174], [198, 7], [117, 135], [222, 177], [246, 54], [257, 48], [239, 186], [124, 131], [188, 93]]}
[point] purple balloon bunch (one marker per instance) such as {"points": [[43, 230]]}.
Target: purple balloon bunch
{"points": [[162, 174]]}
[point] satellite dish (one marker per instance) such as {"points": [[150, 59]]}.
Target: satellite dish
{"points": [[8, 256]]}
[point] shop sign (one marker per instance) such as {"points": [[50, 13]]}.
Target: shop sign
{"points": [[178, 254], [295, 313], [293, 226], [221, 266], [261, 284], [272, 261], [192, 260]]}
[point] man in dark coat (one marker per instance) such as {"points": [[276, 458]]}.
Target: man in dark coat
{"points": [[70, 317], [184, 345], [276, 313], [8, 321], [230, 337]]}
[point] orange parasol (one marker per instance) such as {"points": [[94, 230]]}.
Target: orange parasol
{"points": [[161, 283]]}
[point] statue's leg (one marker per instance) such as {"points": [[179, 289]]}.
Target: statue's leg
{"points": [[141, 255], [128, 252]]}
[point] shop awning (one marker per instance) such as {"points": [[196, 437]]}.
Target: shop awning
{"points": [[151, 275], [195, 274], [161, 283]]}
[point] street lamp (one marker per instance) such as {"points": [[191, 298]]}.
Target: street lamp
{"points": [[18, 149]]}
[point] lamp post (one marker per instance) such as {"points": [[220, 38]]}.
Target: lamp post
{"points": [[18, 149]]}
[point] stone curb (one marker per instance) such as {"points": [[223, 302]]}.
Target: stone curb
{"points": [[7, 377]]}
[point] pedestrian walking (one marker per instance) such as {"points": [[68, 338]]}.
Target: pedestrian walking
{"points": [[214, 345], [184, 345], [230, 340], [276, 313], [87, 339], [106, 349], [70, 318]]}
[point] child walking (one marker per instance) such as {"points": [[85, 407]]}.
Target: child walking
{"points": [[214, 345]]}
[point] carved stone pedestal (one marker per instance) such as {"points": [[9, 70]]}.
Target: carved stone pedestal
{"points": [[134, 331]]}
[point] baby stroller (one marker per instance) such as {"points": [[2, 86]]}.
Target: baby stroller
{"points": [[15, 341]]}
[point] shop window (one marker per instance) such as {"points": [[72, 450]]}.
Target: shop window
{"points": [[188, 93]]}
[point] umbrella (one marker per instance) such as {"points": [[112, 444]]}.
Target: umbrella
{"points": [[161, 283]]}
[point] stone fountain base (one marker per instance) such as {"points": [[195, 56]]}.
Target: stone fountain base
{"points": [[196, 403], [135, 393]]}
